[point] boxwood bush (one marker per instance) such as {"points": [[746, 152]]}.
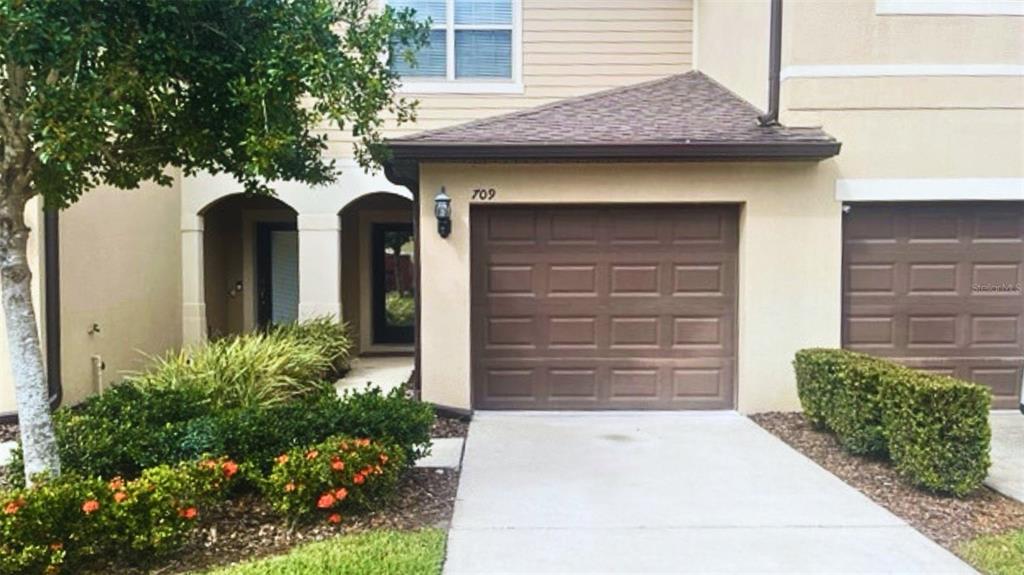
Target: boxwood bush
{"points": [[938, 430], [839, 390], [934, 428]]}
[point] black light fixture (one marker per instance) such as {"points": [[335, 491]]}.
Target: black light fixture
{"points": [[443, 213]]}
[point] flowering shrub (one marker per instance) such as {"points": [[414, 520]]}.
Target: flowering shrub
{"points": [[68, 521], [334, 477]]}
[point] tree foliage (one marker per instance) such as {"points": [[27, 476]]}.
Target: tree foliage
{"points": [[114, 91], [117, 91]]}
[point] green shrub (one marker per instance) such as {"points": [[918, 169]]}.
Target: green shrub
{"points": [[938, 430], [69, 521], [934, 428], [251, 370], [336, 476], [98, 440], [400, 308], [839, 390], [392, 417], [333, 339]]}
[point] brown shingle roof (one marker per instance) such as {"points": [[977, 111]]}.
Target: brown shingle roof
{"points": [[686, 116]]}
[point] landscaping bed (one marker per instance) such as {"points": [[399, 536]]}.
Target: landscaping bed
{"points": [[950, 521], [247, 528], [8, 432], [445, 427], [227, 451]]}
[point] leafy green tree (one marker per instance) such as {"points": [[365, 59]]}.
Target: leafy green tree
{"points": [[118, 92]]}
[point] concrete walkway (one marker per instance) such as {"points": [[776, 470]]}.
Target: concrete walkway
{"points": [[1007, 472], [385, 372], [664, 493]]}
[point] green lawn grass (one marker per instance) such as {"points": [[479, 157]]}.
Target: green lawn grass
{"points": [[391, 552], [997, 554]]}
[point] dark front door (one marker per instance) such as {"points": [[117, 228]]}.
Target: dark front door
{"points": [[277, 273], [604, 307], [393, 297], [937, 286]]}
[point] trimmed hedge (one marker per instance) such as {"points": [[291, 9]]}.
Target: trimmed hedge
{"points": [[938, 430], [839, 391], [933, 428]]}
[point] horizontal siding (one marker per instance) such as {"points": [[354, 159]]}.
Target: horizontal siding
{"points": [[571, 48]]}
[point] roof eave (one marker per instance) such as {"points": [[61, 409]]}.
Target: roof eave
{"points": [[733, 151]]}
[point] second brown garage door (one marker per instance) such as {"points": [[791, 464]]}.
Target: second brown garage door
{"points": [[611, 307], [938, 287]]}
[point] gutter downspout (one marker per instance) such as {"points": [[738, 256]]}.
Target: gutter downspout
{"points": [[51, 291], [771, 117]]}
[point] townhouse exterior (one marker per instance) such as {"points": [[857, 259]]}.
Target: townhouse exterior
{"points": [[624, 233]]}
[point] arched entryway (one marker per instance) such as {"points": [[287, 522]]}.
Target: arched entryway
{"points": [[378, 272], [250, 264]]}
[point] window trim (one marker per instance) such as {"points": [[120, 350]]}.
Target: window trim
{"points": [[452, 85], [949, 7]]}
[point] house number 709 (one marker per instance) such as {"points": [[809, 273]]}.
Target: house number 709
{"points": [[484, 194]]}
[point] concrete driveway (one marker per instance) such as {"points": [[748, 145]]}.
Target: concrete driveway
{"points": [[1007, 472], [664, 493]]}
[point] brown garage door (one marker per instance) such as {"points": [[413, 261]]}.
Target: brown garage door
{"points": [[614, 307], [938, 287]]}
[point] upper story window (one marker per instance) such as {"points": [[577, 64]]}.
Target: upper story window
{"points": [[474, 47]]}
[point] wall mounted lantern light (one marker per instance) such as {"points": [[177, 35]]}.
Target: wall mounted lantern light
{"points": [[443, 213]]}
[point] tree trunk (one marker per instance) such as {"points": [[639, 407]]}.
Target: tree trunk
{"points": [[26, 356]]}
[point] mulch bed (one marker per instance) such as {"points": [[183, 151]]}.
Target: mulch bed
{"points": [[8, 432], [246, 528], [449, 427], [949, 521]]}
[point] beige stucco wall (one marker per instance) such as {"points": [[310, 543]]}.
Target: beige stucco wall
{"points": [[731, 45], [790, 257], [120, 256]]}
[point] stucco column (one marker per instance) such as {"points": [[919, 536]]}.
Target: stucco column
{"points": [[193, 296], [319, 265]]}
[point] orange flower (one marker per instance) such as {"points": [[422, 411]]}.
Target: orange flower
{"points": [[326, 500], [312, 454], [363, 442], [188, 512], [377, 470], [337, 464], [13, 507], [289, 487], [334, 518], [116, 483], [366, 470], [229, 468], [208, 463], [383, 458], [282, 459], [90, 506], [341, 494], [343, 446], [359, 479], [56, 545], [120, 496], [52, 570]]}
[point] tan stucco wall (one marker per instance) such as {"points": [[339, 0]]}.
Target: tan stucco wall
{"points": [[731, 45], [790, 257], [120, 256]]}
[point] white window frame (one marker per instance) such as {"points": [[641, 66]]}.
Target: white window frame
{"points": [[452, 85], [950, 7]]}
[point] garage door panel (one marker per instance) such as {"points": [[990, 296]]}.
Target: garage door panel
{"points": [[938, 286], [611, 307]]}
